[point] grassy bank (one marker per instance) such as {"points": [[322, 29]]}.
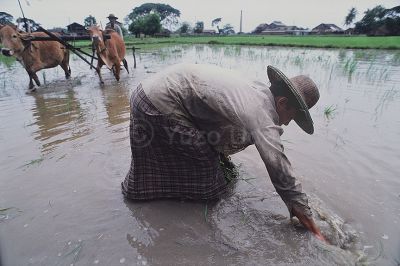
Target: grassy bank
{"points": [[351, 42]]}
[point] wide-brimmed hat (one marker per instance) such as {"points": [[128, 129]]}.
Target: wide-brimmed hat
{"points": [[112, 16], [303, 89]]}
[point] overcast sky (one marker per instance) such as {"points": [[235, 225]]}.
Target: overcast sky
{"points": [[307, 13]]}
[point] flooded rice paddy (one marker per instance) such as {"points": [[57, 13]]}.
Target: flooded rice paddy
{"points": [[65, 150]]}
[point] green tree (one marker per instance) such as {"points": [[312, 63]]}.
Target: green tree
{"points": [[350, 17], [185, 27], [380, 21], [6, 18], [137, 26], [215, 22], [228, 29], [152, 24], [199, 27], [90, 21], [148, 25], [392, 21], [167, 14], [32, 25], [124, 30]]}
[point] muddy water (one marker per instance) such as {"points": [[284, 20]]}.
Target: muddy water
{"points": [[65, 150]]}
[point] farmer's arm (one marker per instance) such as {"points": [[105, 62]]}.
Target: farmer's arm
{"points": [[268, 143]]}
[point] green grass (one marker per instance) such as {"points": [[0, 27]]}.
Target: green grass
{"points": [[354, 42], [8, 61]]}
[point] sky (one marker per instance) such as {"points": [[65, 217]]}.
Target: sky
{"points": [[306, 14]]}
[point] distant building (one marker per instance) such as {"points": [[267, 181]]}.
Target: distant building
{"points": [[209, 32], [260, 28], [76, 29], [163, 33], [349, 31], [59, 30], [278, 28], [327, 29]]}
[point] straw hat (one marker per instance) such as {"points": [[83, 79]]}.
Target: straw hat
{"points": [[305, 92], [112, 16]]}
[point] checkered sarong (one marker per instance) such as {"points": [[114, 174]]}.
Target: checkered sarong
{"points": [[169, 160]]}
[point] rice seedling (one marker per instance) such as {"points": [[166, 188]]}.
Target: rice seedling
{"points": [[350, 66], [5, 209], [387, 96], [330, 111], [396, 58], [231, 172], [371, 64], [298, 61], [62, 157], [342, 54], [330, 74], [384, 74], [33, 162], [73, 253]]}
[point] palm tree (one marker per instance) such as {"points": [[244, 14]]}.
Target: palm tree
{"points": [[215, 22], [350, 17]]}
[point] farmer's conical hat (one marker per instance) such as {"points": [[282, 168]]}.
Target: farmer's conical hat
{"points": [[305, 91]]}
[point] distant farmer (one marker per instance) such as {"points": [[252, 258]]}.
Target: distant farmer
{"points": [[113, 24], [186, 116]]}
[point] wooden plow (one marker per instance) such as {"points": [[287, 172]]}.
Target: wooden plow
{"points": [[76, 50]]}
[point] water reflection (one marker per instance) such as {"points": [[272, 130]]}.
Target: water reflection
{"points": [[116, 102], [59, 118], [185, 237]]}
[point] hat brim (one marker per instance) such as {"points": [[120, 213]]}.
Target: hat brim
{"points": [[303, 117], [112, 17]]}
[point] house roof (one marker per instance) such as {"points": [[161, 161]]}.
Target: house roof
{"points": [[75, 25], [326, 26], [276, 26], [278, 23], [56, 29]]}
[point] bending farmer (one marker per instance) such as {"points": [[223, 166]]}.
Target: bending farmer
{"points": [[185, 116]]}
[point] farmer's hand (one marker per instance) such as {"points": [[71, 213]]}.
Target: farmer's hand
{"points": [[308, 223]]}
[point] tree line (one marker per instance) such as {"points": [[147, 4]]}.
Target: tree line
{"points": [[150, 19], [376, 21]]}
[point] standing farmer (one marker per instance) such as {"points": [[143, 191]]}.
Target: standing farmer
{"points": [[184, 117], [113, 24]]}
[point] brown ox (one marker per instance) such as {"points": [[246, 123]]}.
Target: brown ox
{"points": [[33, 55], [110, 52]]}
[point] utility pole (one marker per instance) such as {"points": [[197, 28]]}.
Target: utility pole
{"points": [[241, 21]]}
